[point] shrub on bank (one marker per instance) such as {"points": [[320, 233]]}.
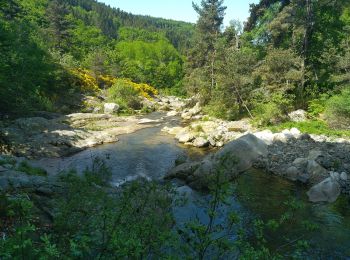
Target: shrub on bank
{"points": [[337, 111], [273, 111], [127, 94]]}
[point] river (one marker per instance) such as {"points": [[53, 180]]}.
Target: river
{"points": [[150, 153]]}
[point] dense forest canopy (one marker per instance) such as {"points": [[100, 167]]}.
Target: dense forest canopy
{"points": [[291, 55], [66, 56], [288, 55], [45, 42]]}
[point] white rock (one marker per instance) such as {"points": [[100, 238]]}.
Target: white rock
{"points": [[298, 116], [110, 108], [172, 113], [220, 144], [267, 136], [280, 137], [295, 132], [185, 137], [200, 142]]}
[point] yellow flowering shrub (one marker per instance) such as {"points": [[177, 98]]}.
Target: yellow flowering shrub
{"points": [[88, 83], [107, 80], [83, 78], [144, 90]]}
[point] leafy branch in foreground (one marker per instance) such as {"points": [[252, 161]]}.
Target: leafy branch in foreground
{"points": [[92, 220]]}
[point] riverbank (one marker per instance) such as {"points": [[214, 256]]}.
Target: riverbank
{"points": [[320, 162]]}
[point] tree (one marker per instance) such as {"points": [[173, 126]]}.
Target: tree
{"points": [[59, 25], [208, 30]]}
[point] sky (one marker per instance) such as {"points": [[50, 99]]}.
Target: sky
{"points": [[180, 10]]}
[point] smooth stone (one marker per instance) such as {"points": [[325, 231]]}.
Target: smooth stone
{"points": [[335, 176], [110, 108], [326, 191], [315, 171], [300, 162], [185, 137]]}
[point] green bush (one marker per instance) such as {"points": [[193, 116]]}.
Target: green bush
{"points": [[317, 106], [125, 96], [272, 112], [338, 110], [221, 109]]}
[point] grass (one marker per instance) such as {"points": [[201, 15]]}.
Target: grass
{"points": [[312, 127]]}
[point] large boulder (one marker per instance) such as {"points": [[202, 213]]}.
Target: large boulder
{"points": [[111, 108], [315, 171], [236, 157], [183, 171], [326, 191], [188, 114]]}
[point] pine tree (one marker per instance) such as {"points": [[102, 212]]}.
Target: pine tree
{"points": [[59, 25], [211, 15]]}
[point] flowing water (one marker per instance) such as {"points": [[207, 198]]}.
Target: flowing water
{"points": [[150, 153]]}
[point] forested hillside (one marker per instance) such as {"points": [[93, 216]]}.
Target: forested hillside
{"points": [[291, 55], [53, 52]]}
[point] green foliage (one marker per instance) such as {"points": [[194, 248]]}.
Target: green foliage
{"points": [[156, 63], [124, 95], [43, 42], [318, 105], [91, 220], [221, 108], [338, 109], [30, 170], [317, 127], [272, 112], [214, 237]]}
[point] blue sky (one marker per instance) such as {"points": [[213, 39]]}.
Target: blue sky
{"points": [[179, 9]]}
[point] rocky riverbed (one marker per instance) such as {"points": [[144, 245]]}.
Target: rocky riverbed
{"points": [[38, 137], [321, 162]]}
